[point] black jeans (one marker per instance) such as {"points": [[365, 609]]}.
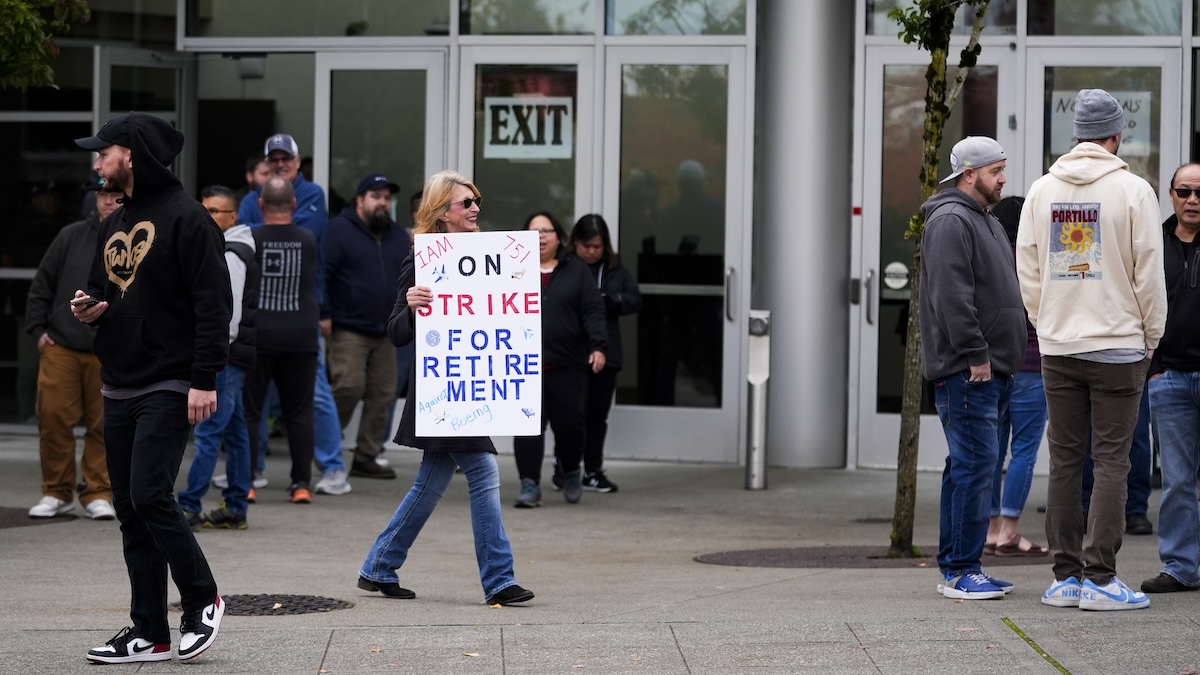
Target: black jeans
{"points": [[294, 374], [145, 438], [564, 396], [601, 386]]}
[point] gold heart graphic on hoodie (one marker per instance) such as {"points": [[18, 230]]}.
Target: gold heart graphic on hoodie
{"points": [[124, 251]]}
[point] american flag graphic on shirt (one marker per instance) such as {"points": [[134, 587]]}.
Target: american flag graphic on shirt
{"points": [[282, 262]]}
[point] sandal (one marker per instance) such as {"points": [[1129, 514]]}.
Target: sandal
{"points": [[989, 548], [1021, 547]]}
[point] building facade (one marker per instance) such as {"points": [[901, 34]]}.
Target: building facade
{"points": [[746, 154]]}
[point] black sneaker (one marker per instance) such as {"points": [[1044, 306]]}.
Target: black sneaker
{"points": [[557, 479], [195, 520], [1138, 523], [1165, 583], [598, 482], [198, 629], [224, 519], [510, 596], [125, 647], [371, 470]]}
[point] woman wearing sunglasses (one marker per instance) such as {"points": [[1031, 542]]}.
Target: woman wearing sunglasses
{"points": [[450, 204]]}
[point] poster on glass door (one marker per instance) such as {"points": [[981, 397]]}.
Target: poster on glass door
{"points": [[1138, 120], [479, 343], [528, 127]]}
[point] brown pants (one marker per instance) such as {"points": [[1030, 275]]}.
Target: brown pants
{"points": [[1100, 399], [68, 392], [363, 368]]}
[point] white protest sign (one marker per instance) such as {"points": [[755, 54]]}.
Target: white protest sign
{"points": [[479, 344], [528, 127], [1138, 120]]}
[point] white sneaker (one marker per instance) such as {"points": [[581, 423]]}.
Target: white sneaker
{"points": [[49, 507], [333, 483], [100, 509], [1111, 596], [1063, 593], [382, 461], [220, 481], [259, 482]]}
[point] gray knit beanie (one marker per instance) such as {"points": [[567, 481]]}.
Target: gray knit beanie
{"points": [[1097, 115]]}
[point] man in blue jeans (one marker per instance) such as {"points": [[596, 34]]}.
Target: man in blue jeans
{"points": [[973, 330], [1175, 393]]}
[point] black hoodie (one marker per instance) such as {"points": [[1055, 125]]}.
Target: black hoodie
{"points": [[160, 265]]}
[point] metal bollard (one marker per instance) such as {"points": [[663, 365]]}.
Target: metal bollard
{"points": [[759, 374]]}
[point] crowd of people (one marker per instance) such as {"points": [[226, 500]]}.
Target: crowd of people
{"points": [[162, 317], [1070, 310]]}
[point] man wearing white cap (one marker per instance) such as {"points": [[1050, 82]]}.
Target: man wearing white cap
{"points": [[1089, 257], [973, 341]]}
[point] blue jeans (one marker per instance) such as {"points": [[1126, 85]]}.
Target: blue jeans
{"points": [[1026, 420], [327, 428], [1175, 404], [970, 414], [492, 549], [1138, 481], [227, 425]]}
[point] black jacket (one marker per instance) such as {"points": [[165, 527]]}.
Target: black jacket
{"points": [[243, 352], [1179, 348], [402, 330], [621, 296], [572, 315], [160, 265], [361, 273], [64, 269]]}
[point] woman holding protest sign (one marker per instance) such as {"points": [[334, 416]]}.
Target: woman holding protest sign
{"points": [[590, 242], [450, 204], [574, 342]]}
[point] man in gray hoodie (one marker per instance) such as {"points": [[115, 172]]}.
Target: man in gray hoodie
{"points": [[973, 341]]}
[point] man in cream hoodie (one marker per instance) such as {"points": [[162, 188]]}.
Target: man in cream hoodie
{"points": [[1089, 259]]}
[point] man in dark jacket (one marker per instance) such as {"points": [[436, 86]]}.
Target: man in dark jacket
{"points": [[1174, 377], [159, 294], [364, 249], [69, 373], [973, 341]]}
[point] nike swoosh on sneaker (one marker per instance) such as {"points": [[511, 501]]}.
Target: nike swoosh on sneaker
{"points": [[138, 650], [1124, 596], [212, 611]]}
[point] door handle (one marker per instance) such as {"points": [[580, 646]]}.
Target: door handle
{"points": [[729, 294], [869, 305]]}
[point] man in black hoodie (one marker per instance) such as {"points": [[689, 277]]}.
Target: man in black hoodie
{"points": [[159, 295]]}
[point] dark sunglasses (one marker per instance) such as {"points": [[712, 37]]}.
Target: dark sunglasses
{"points": [[1184, 193], [466, 203]]}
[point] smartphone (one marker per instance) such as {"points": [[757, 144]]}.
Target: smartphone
{"points": [[84, 301]]}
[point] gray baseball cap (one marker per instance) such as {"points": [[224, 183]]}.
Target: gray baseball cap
{"points": [[973, 152]]}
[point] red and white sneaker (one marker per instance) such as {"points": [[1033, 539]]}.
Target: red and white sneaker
{"points": [[128, 648], [198, 629]]}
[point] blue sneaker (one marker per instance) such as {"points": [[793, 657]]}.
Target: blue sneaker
{"points": [[1111, 596], [1003, 585], [974, 586], [1063, 593]]}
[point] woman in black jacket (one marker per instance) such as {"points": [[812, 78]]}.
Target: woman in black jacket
{"points": [[573, 345], [591, 243]]}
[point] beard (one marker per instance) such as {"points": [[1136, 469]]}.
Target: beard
{"points": [[119, 181], [378, 221]]}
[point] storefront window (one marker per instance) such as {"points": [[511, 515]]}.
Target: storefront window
{"points": [[72, 90], [316, 18], [523, 17], [1105, 17], [1001, 17], [676, 17]]}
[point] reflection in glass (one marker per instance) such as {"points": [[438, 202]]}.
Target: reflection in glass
{"points": [[1140, 92], [144, 89], [72, 90], [974, 114], [365, 138], [42, 192], [321, 18], [527, 17], [675, 17], [672, 231], [1001, 17], [1106, 17]]}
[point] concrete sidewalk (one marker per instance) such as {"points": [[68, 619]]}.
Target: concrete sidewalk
{"points": [[617, 588]]}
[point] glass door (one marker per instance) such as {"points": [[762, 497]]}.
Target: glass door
{"points": [[892, 139], [1145, 81], [379, 113], [676, 195]]}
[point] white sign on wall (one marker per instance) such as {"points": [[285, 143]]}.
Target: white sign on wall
{"points": [[528, 127], [479, 344], [1138, 121]]}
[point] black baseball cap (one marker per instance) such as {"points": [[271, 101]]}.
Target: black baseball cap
{"points": [[376, 181], [114, 132]]}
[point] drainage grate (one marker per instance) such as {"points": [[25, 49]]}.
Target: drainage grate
{"points": [[277, 605], [873, 520]]}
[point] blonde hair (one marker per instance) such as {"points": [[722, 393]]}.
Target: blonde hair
{"points": [[435, 200]]}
